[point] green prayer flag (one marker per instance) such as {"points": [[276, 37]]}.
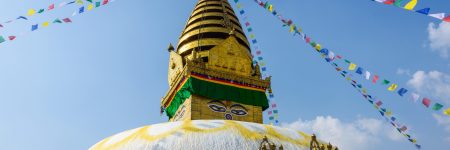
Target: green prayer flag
{"points": [[89, 1], [41, 10], [57, 21], [398, 3], [266, 5], [386, 82], [347, 61], [437, 106], [97, 4], [2, 39], [313, 44]]}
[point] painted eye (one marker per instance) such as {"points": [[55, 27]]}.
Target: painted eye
{"points": [[217, 108], [239, 112]]}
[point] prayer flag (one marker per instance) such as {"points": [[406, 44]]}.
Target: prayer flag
{"points": [[379, 103], [388, 113], [274, 105], [79, 1], [352, 66], [402, 91], [398, 3], [386, 82], [447, 19], [252, 36], [45, 24], [447, 112], [307, 39], [90, 6], [247, 24], [67, 20], [258, 52], [403, 128], [57, 21], [438, 15], [239, 5], [242, 12], [81, 10], [437, 107], [426, 102], [31, 12], [41, 10], [89, 1], [12, 38], [367, 75], [318, 47], [359, 70], [2, 39], [260, 58], [415, 97], [389, 2], [375, 79], [271, 118], [1, 26], [105, 2], [52, 6], [411, 4], [72, 2], [22, 17], [97, 4], [249, 29], [424, 11], [270, 113], [34, 27], [254, 41], [393, 87], [275, 111], [271, 8]]}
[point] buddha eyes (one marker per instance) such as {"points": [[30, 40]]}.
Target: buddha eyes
{"points": [[217, 108], [239, 112]]}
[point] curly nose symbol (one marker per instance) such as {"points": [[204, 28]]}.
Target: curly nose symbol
{"points": [[228, 116]]}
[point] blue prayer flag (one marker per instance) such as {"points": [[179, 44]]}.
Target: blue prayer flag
{"points": [[402, 91], [263, 69], [242, 12], [254, 41], [81, 10], [34, 27], [424, 11], [359, 70], [22, 17], [260, 58]]}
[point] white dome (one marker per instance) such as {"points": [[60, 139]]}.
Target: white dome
{"points": [[203, 135]]}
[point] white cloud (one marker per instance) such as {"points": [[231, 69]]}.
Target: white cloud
{"points": [[439, 37], [401, 71], [433, 83], [445, 122], [364, 133]]}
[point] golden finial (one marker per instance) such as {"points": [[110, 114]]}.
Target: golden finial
{"points": [[170, 48]]}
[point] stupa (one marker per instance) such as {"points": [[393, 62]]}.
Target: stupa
{"points": [[216, 96]]}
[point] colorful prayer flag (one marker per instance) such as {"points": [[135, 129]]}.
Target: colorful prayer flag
{"points": [[438, 15], [375, 78], [437, 107], [447, 112], [81, 10], [52, 6], [89, 1], [45, 24], [447, 19], [402, 91], [367, 75], [359, 70], [398, 3], [392, 87], [97, 4], [389, 2], [386, 82], [352, 66], [67, 20], [79, 1], [41, 10], [274, 105], [57, 21], [415, 97], [2, 39], [90, 6], [34, 27], [426, 102], [105, 2], [424, 11], [411, 4], [31, 12]]}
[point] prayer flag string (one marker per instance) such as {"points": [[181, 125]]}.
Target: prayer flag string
{"points": [[259, 60], [411, 5]]}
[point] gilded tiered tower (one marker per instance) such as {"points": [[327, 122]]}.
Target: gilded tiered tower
{"points": [[211, 74]]}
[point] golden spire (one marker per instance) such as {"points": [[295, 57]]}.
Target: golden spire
{"points": [[210, 24]]}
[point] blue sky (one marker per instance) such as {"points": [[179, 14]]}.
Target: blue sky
{"points": [[68, 86]]}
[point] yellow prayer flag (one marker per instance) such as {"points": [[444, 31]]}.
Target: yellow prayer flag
{"points": [[90, 7], [388, 113], [45, 24], [252, 36], [79, 1], [271, 8], [318, 47], [352, 66], [411, 4], [393, 87], [292, 29], [447, 112], [239, 6], [31, 12]]}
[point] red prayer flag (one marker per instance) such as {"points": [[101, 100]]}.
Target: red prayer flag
{"points": [[389, 2], [52, 6], [67, 20], [447, 19], [339, 56], [105, 2], [375, 78], [258, 52], [426, 102], [274, 105], [379, 103], [308, 39], [247, 24], [12, 38]]}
